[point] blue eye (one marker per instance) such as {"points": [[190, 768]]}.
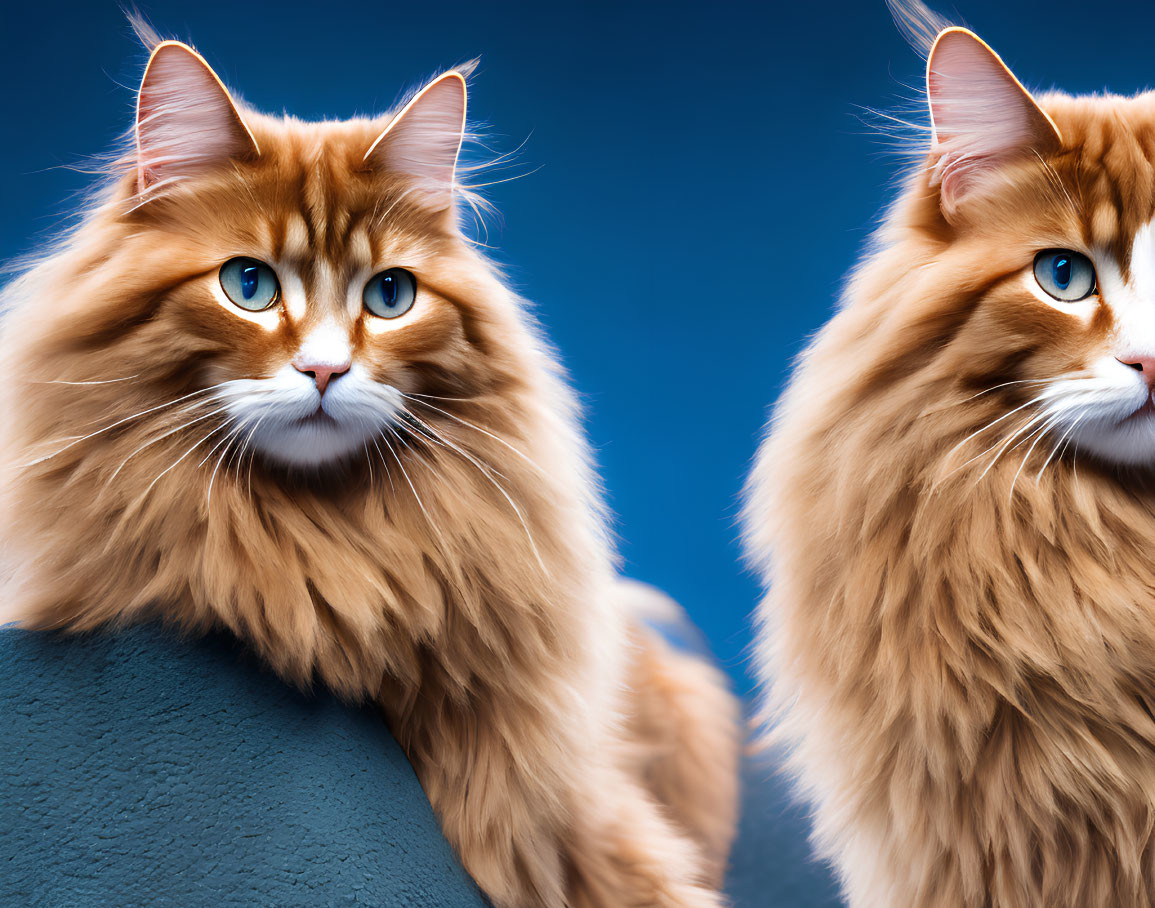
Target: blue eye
{"points": [[250, 284], [1065, 275], [390, 293]]}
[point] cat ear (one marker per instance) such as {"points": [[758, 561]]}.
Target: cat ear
{"points": [[980, 115], [424, 139], [185, 118]]}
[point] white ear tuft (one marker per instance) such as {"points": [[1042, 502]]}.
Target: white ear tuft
{"points": [[186, 120], [980, 114], [424, 139]]}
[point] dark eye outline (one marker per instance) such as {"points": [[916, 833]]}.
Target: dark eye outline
{"points": [[1047, 255], [241, 304], [407, 278]]}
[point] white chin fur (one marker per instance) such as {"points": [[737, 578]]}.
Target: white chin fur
{"points": [[274, 415], [1130, 443], [310, 444], [1094, 413]]}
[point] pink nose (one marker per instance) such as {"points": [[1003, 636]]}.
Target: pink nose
{"points": [[322, 373], [1143, 364]]}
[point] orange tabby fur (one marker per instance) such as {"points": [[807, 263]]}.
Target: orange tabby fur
{"points": [[960, 635], [466, 583]]}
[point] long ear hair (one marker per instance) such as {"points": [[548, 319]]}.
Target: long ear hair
{"points": [[105, 168], [904, 127], [918, 23], [142, 28]]}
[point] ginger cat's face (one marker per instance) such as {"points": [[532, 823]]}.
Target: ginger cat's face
{"points": [[1076, 320], [1034, 286], [325, 298], [322, 342], [306, 277]]}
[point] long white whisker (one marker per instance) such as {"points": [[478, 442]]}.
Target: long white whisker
{"points": [[412, 488], [993, 422], [1039, 434], [159, 438], [214, 448], [1061, 442], [416, 453], [431, 434], [143, 495], [385, 466], [437, 397], [228, 443], [120, 422], [1006, 384], [476, 428], [486, 472], [368, 463], [1032, 422], [253, 457], [998, 441], [106, 381]]}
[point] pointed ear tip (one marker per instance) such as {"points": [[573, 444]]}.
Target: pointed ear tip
{"points": [[450, 85], [964, 50], [958, 36], [171, 50], [169, 46], [452, 77]]}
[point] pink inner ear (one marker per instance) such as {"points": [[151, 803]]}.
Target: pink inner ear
{"points": [[185, 120], [980, 113], [424, 139]]}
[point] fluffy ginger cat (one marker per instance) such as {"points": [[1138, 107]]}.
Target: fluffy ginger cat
{"points": [[954, 511], [269, 385]]}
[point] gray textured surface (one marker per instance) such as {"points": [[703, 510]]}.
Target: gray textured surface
{"points": [[140, 768], [772, 865], [145, 769]]}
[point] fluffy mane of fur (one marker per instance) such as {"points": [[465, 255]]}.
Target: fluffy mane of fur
{"points": [[459, 573], [959, 634]]}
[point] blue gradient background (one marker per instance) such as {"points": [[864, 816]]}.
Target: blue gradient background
{"points": [[704, 184]]}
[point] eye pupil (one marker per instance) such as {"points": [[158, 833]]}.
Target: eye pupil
{"points": [[250, 278], [389, 290], [1061, 270]]}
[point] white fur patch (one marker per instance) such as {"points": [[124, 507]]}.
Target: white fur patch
{"points": [[288, 419], [327, 346]]}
